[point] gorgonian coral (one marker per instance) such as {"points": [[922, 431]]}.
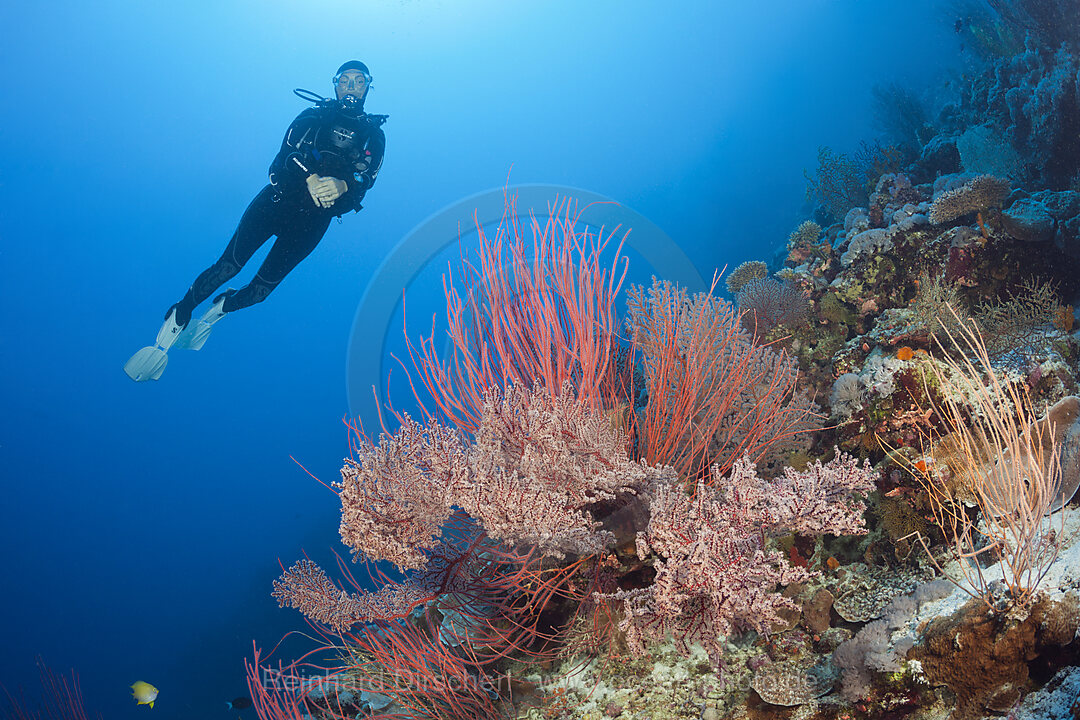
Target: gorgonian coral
{"points": [[716, 575], [766, 304], [538, 462]]}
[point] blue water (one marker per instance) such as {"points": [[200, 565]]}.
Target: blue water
{"points": [[142, 524]]}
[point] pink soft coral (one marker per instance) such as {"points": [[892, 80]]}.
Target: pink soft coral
{"points": [[715, 574]]}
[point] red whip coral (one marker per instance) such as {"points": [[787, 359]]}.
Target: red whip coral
{"points": [[713, 394], [544, 320]]}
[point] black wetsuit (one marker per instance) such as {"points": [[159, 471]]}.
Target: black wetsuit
{"points": [[330, 141]]}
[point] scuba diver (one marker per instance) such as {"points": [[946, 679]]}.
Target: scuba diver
{"points": [[328, 160]]}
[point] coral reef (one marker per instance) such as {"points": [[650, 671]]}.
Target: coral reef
{"points": [[844, 181], [666, 527], [1027, 106]]}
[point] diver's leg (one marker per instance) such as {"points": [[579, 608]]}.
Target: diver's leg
{"points": [[294, 243], [255, 228]]}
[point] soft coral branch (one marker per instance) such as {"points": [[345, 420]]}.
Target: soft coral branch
{"points": [[545, 320], [715, 573]]}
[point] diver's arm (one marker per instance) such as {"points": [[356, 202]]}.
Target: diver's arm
{"points": [[294, 161]]}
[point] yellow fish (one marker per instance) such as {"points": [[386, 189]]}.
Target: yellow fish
{"points": [[144, 693]]}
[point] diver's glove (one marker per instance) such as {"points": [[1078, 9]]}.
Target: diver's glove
{"points": [[325, 190]]}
